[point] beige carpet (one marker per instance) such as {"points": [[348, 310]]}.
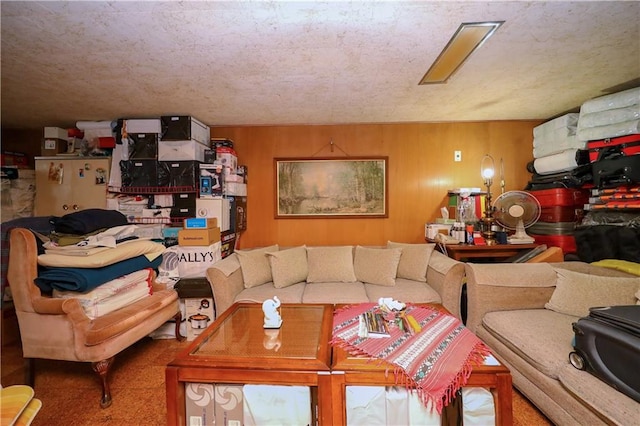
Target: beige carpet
{"points": [[70, 392]]}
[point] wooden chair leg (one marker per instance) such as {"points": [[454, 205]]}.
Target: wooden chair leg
{"points": [[102, 368], [30, 371], [178, 319]]}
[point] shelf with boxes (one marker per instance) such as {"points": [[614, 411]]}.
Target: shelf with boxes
{"points": [[171, 169]]}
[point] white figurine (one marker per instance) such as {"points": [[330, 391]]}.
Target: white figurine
{"points": [[390, 304], [272, 317], [272, 340]]}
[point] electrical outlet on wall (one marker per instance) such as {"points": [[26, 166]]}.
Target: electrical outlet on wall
{"points": [[457, 155]]}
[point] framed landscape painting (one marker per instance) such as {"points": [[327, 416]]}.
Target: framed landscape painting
{"points": [[350, 187]]}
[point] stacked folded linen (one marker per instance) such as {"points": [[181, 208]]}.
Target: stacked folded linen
{"points": [[562, 161], [113, 294], [610, 116], [556, 135]]}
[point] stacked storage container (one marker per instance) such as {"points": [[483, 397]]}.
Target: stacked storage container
{"points": [[610, 125], [561, 212]]}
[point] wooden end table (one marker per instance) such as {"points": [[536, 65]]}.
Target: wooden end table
{"points": [[470, 252]]}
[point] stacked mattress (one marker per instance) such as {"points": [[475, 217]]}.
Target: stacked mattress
{"points": [[559, 156], [610, 116]]}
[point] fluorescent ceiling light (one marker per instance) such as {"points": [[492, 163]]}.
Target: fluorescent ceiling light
{"points": [[467, 38]]}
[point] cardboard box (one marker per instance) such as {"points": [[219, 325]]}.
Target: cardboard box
{"points": [[181, 151], [211, 180], [238, 216], [56, 133], [228, 158], [220, 208], [51, 147], [198, 301], [139, 173], [229, 402], [198, 237], [183, 127], [228, 243], [235, 189], [200, 222], [199, 404]]}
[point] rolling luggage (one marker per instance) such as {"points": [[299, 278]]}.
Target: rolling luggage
{"points": [[560, 214], [607, 345], [574, 197], [628, 145], [616, 171]]}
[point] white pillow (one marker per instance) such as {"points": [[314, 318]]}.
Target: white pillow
{"points": [[376, 265], [576, 292], [255, 266], [330, 264], [414, 260], [288, 266], [110, 256]]}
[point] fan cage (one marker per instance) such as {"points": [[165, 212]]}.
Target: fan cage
{"points": [[526, 200]]}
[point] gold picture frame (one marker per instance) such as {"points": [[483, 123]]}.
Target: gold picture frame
{"points": [[351, 187]]}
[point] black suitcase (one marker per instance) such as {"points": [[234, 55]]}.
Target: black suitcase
{"points": [[607, 345], [614, 169]]}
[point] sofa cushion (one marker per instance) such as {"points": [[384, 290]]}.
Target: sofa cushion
{"points": [[414, 260], [540, 336], [288, 266], [255, 266], [258, 294], [576, 292], [376, 265], [404, 291], [598, 395], [335, 292], [330, 264]]}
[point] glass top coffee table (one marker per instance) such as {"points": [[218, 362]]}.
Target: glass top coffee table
{"points": [[236, 348]]}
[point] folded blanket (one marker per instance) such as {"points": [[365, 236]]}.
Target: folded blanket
{"points": [[112, 295], [122, 251], [86, 279], [88, 220]]}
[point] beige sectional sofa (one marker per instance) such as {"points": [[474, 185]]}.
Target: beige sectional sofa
{"points": [[524, 312], [338, 274]]}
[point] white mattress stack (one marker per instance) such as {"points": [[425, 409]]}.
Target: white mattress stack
{"points": [[610, 116], [556, 146]]}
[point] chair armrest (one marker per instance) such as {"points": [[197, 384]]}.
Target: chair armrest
{"points": [[53, 306], [446, 276], [225, 278], [47, 305], [505, 287]]}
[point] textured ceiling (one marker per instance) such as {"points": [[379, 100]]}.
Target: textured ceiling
{"points": [[276, 62]]}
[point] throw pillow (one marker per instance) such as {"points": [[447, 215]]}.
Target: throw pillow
{"points": [[255, 266], [330, 264], [414, 260], [377, 266], [288, 266], [576, 292]]}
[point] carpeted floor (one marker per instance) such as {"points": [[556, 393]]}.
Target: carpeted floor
{"points": [[70, 392]]}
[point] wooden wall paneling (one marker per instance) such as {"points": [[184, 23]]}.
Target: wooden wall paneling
{"points": [[421, 170]]}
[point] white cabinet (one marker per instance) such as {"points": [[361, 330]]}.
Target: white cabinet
{"points": [[65, 185]]}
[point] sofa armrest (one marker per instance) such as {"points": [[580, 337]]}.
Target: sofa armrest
{"points": [[225, 278], [505, 287], [446, 276]]}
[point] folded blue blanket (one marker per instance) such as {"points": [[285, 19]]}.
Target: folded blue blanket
{"points": [[86, 279]]}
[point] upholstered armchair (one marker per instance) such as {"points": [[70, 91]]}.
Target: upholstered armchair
{"points": [[52, 328]]}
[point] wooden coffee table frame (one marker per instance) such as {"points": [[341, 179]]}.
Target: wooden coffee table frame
{"points": [[349, 371], [313, 371], [330, 372]]}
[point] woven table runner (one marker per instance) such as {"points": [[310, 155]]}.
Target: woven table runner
{"points": [[437, 361]]}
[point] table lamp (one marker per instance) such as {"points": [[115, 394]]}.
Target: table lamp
{"points": [[487, 170]]}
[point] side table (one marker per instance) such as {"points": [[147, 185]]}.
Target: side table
{"points": [[494, 253]]}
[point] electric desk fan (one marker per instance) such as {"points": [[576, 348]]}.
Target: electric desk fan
{"points": [[517, 210]]}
